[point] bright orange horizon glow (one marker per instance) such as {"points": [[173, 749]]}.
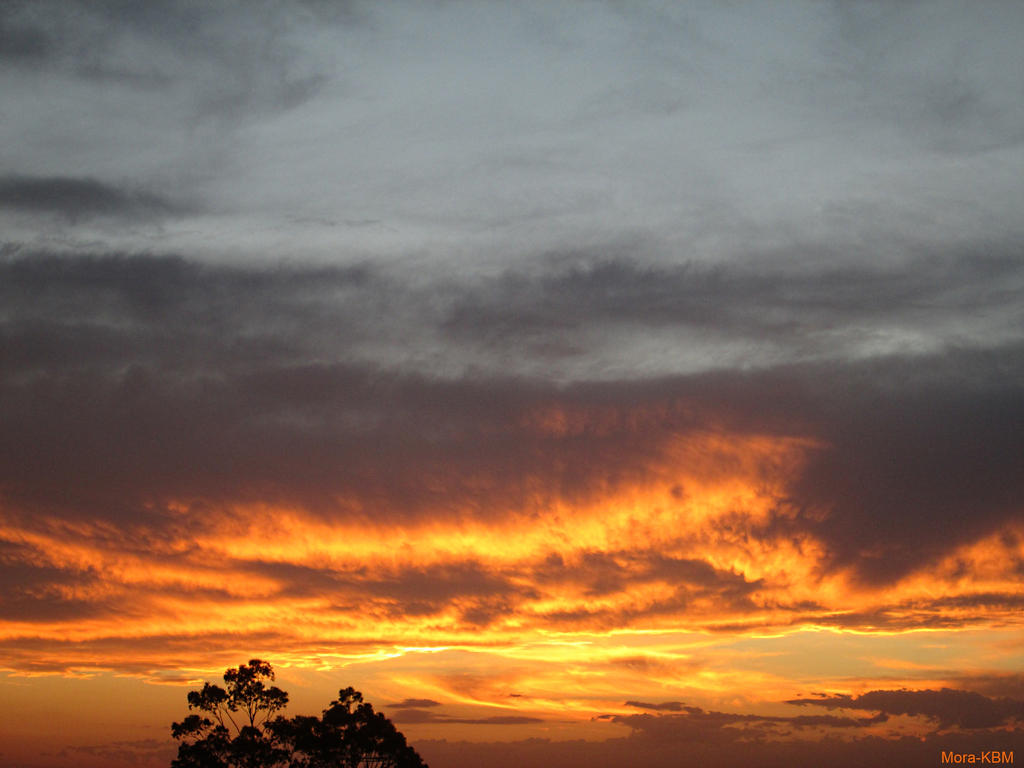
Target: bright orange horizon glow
{"points": [[671, 588]]}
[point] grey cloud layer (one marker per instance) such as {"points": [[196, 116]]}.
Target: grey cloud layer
{"points": [[77, 198], [609, 315], [131, 382], [479, 133]]}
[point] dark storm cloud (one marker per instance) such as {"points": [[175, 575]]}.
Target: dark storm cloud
{"points": [[80, 198], [946, 707], [968, 296], [160, 368], [810, 304], [802, 308], [20, 43], [920, 466], [104, 312], [128, 382]]}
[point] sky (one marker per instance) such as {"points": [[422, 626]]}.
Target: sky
{"points": [[585, 382]]}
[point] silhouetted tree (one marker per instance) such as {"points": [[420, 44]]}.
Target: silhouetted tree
{"points": [[349, 734], [234, 729], [237, 731]]}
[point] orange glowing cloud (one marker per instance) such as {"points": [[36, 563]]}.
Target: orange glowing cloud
{"points": [[700, 540]]}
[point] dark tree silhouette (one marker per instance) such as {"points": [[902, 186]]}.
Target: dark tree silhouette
{"points": [[238, 730]]}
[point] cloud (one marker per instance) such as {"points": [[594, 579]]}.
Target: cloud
{"points": [[666, 706], [879, 125], [540, 335], [160, 412], [657, 667], [817, 299], [100, 41], [214, 357], [80, 198], [909, 465], [21, 43], [418, 715], [702, 726], [946, 707], [600, 573], [925, 82], [640, 748], [593, 318], [414, 704], [1006, 685]]}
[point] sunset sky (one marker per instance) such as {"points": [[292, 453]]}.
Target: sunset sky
{"points": [[587, 383]]}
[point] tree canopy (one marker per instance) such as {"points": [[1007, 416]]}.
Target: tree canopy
{"points": [[237, 728]]}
